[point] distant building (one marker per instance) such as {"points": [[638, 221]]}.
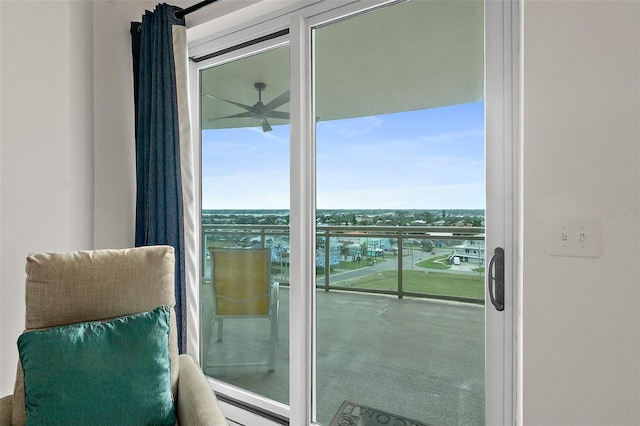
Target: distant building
{"points": [[377, 244], [334, 256], [353, 252], [471, 251]]}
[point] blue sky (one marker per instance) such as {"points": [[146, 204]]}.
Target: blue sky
{"points": [[426, 159]]}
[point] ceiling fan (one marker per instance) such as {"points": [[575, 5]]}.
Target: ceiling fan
{"points": [[259, 110]]}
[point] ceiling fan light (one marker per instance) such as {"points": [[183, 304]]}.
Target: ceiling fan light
{"points": [[265, 126]]}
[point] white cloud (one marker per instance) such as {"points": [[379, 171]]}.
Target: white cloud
{"points": [[259, 189], [413, 195], [448, 137], [353, 127]]}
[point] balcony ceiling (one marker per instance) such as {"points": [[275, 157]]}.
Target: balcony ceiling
{"points": [[416, 55]]}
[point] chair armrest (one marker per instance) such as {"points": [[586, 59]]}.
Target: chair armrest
{"points": [[197, 404], [6, 404]]}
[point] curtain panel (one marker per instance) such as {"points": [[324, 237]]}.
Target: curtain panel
{"points": [[164, 167]]}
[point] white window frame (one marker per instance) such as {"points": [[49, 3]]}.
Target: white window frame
{"points": [[502, 171], [502, 174], [193, 293]]}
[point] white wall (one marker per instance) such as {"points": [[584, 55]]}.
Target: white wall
{"points": [[46, 153], [581, 160], [115, 181]]}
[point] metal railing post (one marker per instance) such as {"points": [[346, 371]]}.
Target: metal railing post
{"points": [[400, 263], [327, 262]]}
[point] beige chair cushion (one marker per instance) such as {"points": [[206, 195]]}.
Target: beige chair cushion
{"points": [[71, 287]]}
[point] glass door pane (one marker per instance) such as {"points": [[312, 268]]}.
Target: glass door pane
{"points": [[400, 215], [245, 223]]}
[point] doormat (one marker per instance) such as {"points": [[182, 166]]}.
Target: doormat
{"points": [[352, 414]]}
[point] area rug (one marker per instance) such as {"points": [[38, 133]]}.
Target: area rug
{"points": [[352, 414]]}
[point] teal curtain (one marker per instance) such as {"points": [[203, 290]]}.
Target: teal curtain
{"points": [[162, 135]]}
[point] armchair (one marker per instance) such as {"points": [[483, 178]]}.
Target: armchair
{"points": [[113, 292]]}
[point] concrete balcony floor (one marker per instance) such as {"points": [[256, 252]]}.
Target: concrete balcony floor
{"points": [[417, 358]]}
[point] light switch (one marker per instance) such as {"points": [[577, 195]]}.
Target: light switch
{"points": [[574, 237]]}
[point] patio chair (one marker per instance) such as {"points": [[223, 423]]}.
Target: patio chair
{"points": [[100, 345], [242, 288]]}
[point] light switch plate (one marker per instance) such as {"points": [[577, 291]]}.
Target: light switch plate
{"points": [[574, 237]]}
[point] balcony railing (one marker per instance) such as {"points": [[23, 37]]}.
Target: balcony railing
{"points": [[395, 260]]}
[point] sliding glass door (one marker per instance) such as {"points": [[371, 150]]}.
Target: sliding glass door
{"points": [[364, 147], [399, 100], [244, 106]]}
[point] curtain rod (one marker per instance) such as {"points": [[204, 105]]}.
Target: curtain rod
{"points": [[182, 13]]}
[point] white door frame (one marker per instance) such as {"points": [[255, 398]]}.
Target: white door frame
{"points": [[501, 165], [502, 171]]}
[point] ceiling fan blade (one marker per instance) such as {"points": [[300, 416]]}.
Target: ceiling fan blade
{"points": [[279, 114], [243, 106], [265, 125], [239, 115], [263, 112], [280, 100]]}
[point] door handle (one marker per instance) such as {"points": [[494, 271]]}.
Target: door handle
{"points": [[495, 280]]}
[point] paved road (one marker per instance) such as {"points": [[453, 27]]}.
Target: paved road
{"points": [[391, 263]]}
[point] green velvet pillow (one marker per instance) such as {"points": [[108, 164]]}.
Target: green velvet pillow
{"points": [[115, 372]]}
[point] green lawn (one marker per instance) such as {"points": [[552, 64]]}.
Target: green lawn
{"points": [[350, 266], [455, 285]]}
